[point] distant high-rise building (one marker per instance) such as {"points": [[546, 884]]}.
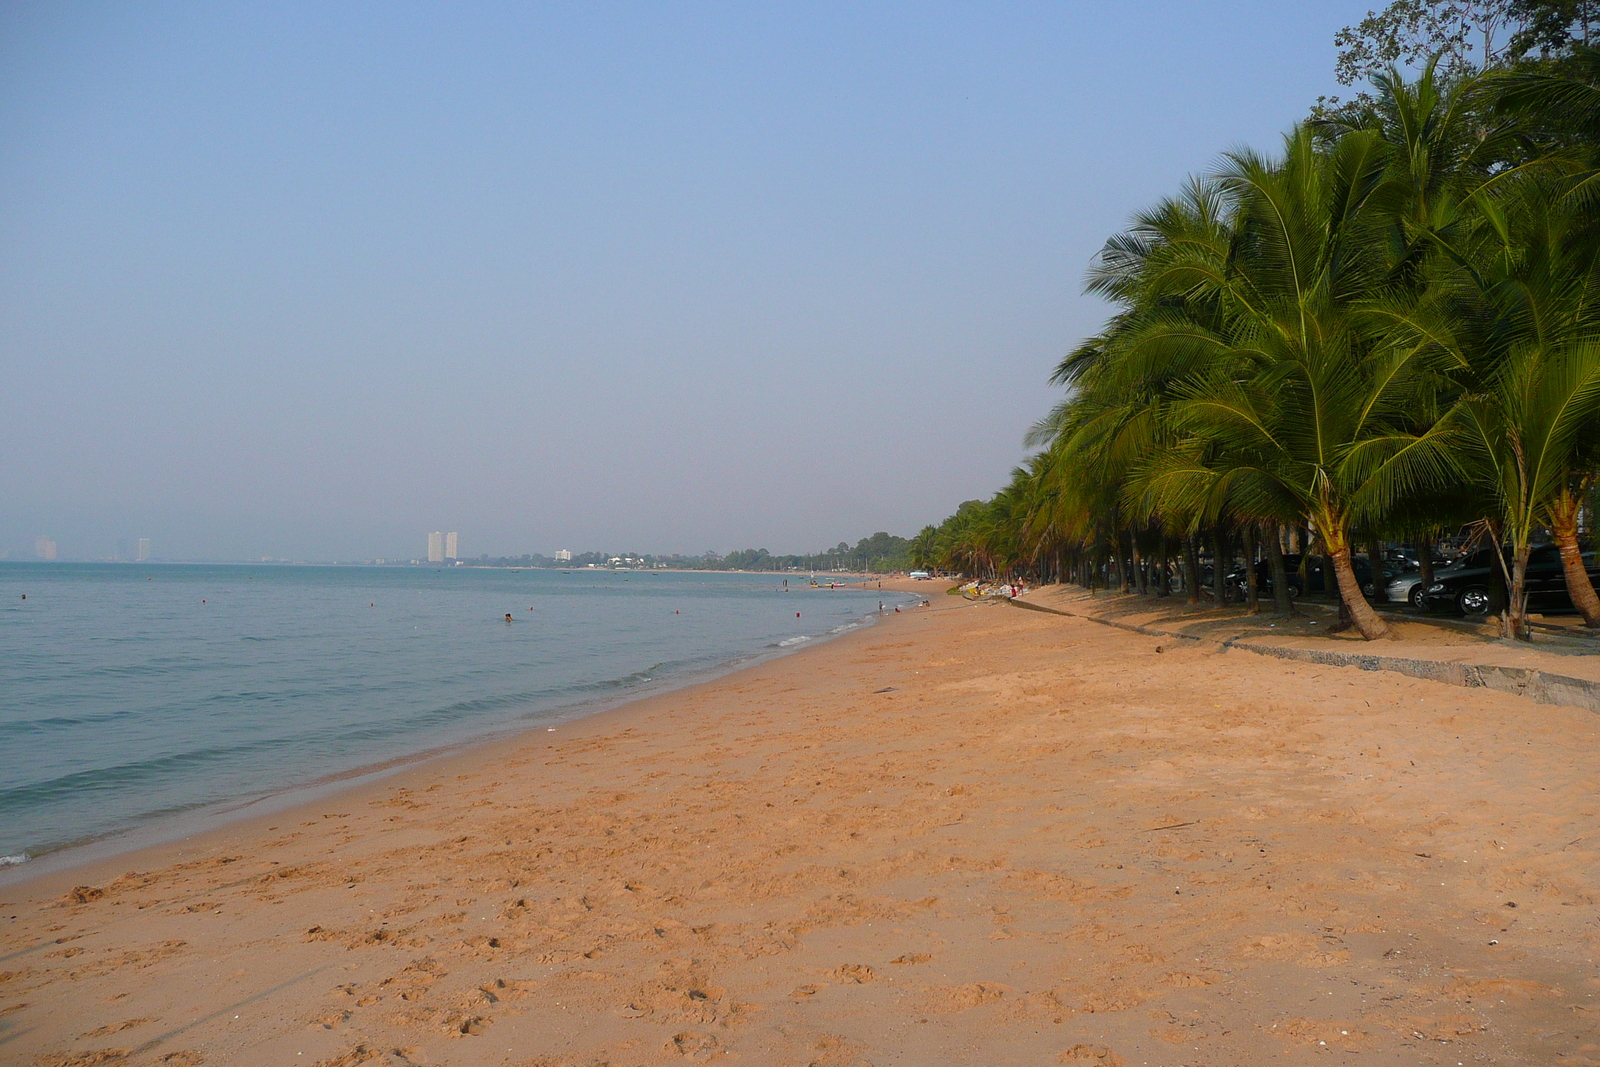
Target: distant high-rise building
{"points": [[44, 548], [436, 547], [144, 549], [563, 555], [450, 545]]}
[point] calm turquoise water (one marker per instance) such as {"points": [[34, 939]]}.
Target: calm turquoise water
{"points": [[133, 692]]}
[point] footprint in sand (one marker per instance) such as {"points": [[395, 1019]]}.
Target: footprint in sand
{"points": [[950, 999], [853, 974], [114, 1028], [695, 1046]]}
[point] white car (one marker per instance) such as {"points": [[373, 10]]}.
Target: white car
{"points": [[920, 576]]}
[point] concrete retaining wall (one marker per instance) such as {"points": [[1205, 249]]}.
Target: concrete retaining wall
{"points": [[1541, 686]]}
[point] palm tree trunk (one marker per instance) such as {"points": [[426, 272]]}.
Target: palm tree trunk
{"points": [[1375, 565], [1425, 561], [1191, 559], [1564, 524], [1517, 602], [1368, 621], [1282, 602], [1252, 596], [1219, 578], [1141, 575]]}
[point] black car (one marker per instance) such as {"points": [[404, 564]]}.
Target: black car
{"points": [[1476, 584], [1314, 577]]}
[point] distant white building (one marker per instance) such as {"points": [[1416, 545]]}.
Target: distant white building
{"points": [[450, 546], [436, 547], [563, 555], [44, 548], [144, 549]]}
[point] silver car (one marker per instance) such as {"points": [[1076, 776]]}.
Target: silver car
{"points": [[1405, 589]]}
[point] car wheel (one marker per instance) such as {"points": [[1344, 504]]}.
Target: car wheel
{"points": [[1415, 599], [1476, 601]]}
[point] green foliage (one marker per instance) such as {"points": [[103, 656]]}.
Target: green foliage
{"points": [[1467, 35], [1389, 326]]}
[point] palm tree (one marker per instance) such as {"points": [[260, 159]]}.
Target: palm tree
{"points": [[1387, 329], [920, 553], [1304, 404], [1562, 511], [1517, 312]]}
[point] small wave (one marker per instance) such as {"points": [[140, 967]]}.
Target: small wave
{"points": [[787, 642], [14, 861]]}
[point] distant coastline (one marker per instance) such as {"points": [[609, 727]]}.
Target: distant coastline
{"points": [[881, 554]]}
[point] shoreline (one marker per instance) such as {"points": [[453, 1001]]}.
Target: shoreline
{"points": [[465, 566], [970, 836], [171, 827]]}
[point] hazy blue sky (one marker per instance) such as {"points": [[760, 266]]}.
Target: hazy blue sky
{"points": [[312, 280]]}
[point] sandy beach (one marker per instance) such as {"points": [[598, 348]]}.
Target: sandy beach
{"points": [[968, 835]]}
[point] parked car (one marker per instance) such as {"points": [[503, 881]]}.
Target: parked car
{"points": [[921, 576], [1476, 585], [1238, 588], [1314, 580], [1405, 586]]}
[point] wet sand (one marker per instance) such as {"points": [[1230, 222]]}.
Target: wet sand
{"points": [[970, 835]]}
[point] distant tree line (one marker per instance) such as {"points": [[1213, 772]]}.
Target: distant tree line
{"points": [[882, 553]]}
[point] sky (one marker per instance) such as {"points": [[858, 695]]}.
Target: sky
{"points": [[311, 280]]}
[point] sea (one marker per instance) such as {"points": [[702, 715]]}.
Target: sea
{"points": [[137, 697]]}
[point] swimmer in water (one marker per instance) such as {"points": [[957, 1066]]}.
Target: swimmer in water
{"points": [[508, 616]]}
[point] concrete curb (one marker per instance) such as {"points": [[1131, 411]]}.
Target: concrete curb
{"points": [[1540, 686]]}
